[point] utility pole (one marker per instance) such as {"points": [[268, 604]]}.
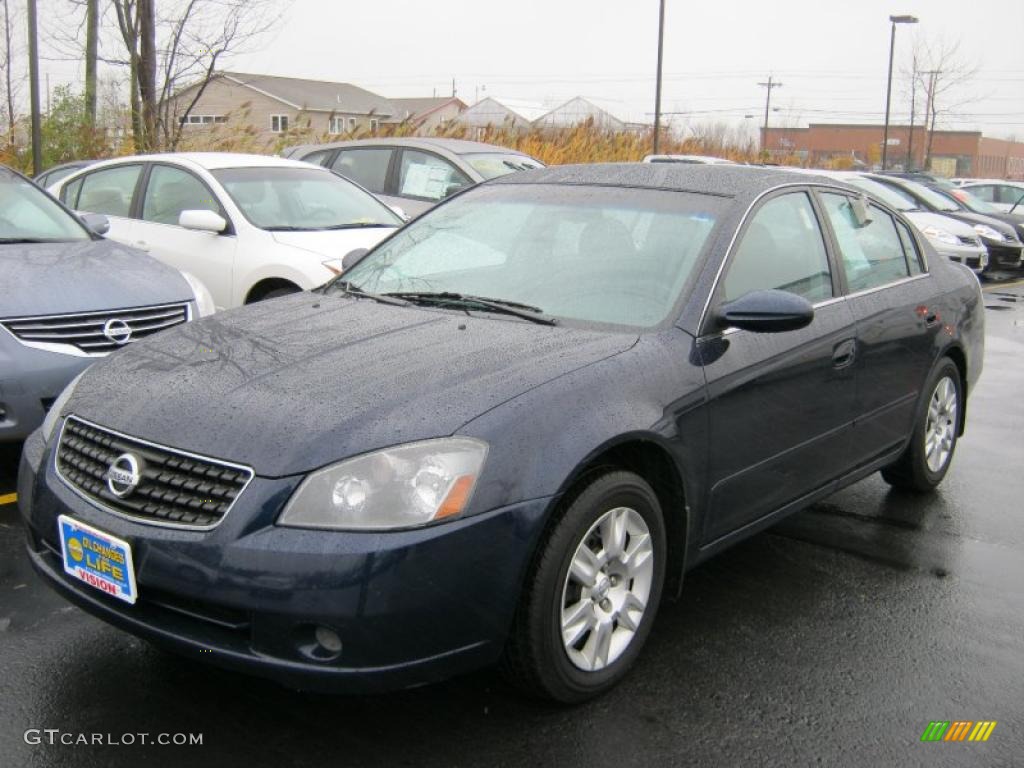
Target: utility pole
{"points": [[657, 82], [929, 114], [33, 78], [909, 165], [92, 31], [767, 105]]}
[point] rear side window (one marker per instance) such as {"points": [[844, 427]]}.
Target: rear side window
{"points": [[318, 157], [914, 260], [781, 248], [986, 192], [69, 193], [173, 190], [872, 252], [366, 167], [109, 191]]}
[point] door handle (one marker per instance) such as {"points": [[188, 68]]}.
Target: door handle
{"points": [[931, 320], [844, 353]]}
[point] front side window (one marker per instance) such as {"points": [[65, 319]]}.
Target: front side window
{"points": [[872, 251], [429, 177], [782, 248], [302, 199], [27, 214], [1009, 195], [278, 123], [593, 254], [366, 167], [173, 190], [109, 191]]}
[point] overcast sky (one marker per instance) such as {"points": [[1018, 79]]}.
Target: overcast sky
{"points": [[831, 56]]}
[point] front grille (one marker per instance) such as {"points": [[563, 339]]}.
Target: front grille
{"points": [[85, 330], [175, 488]]}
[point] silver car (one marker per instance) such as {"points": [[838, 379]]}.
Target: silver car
{"points": [[414, 174], [69, 298]]}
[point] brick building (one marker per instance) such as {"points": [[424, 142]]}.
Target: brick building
{"points": [[954, 153]]}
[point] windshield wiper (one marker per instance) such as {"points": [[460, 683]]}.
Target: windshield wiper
{"points": [[358, 225], [504, 306], [287, 228], [354, 290], [24, 240]]}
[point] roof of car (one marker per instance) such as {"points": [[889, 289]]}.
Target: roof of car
{"points": [[724, 180], [214, 160], [455, 146]]}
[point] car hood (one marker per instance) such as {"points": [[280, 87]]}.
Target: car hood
{"points": [[970, 218], [83, 276], [333, 243], [922, 219], [292, 384]]}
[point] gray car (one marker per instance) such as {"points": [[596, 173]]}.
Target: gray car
{"points": [[414, 174], [69, 298]]}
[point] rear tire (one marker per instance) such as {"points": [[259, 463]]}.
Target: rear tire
{"points": [[924, 463], [591, 594]]}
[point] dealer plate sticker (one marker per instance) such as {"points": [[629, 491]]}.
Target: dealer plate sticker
{"points": [[97, 558]]}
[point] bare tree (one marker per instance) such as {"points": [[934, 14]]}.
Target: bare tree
{"points": [[5, 63], [942, 73]]}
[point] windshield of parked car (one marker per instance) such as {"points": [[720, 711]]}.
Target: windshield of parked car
{"points": [[972, 202], [935, 199], [493, 165], [894, 198], [302, 199], [596, 254], [29, 215]]}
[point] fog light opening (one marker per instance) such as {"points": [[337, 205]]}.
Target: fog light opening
{"points": [[328, 639], [317, 642]]}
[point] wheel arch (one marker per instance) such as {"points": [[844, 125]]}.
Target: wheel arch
{"points": [[956, 353], [262, 287]]}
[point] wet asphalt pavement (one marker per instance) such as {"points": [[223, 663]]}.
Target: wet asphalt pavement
{"points": [[832, 639]]}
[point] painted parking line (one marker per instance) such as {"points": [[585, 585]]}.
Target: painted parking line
{"points": [[8, 498]]}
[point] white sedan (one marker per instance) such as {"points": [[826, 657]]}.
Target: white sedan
{"points": [[249, 227]]}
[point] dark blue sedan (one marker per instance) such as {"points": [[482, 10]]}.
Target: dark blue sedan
{"points": [[507, 432]]}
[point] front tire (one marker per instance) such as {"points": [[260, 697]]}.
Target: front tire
{"points": [[924, 463], [592, 593]]}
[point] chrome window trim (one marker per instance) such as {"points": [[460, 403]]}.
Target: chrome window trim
{"points": [[140, 520], [73, 351], [886, 286]]}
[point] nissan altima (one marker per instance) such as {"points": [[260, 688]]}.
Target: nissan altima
{"points": [[506, 432]]}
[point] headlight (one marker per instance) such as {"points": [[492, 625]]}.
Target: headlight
{"points": [[987, 231], [941, 235], [53, 415], [401, 487], [204, 301]]}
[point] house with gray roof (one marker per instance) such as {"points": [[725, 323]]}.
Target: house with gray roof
{"points": [[273, 105]]}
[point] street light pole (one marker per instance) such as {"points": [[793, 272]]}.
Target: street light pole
{"points": [[657, 86], [888, 88]]}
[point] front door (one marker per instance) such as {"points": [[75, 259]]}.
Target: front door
{"points": [[781, 403], [110, 191]]}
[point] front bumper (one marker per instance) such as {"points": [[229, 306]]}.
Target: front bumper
{"points": [[1003, 254], [975, 258], [30, 380], [410, 607]]}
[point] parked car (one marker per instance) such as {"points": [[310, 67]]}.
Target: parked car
{"points": [[395, 479], [70, 298], [249, 227], [968, 201], [691, 159], [51, 176], [1004, 247], [950, 238], [415, 174], [1004, 195]]}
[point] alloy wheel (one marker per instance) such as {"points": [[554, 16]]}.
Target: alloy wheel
{"points": [[940, 427]]}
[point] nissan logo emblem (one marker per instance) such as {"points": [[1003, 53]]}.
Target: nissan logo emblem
{"points": [[123, 475], [117, 331]]}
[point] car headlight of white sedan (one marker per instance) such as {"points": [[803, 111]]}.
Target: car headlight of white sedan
{"points": [[402, 487], [943, 236]]}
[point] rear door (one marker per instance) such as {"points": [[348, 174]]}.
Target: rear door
{"points": [[110, 191], [781, 404], [370, 167], [167, 191], [890, 295]]}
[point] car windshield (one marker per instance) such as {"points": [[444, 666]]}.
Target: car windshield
{"points": [[596, 254], [29, 215], [935, 199], [493, 165], [302, 199], [972, 203], [891, 196]]}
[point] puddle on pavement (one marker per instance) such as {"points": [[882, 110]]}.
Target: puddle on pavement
{"points": [[999, 307]]}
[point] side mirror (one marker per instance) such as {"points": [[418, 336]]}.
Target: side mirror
{"points": [[352, 257], [202, 221], [96, 222], [769, 311]]}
